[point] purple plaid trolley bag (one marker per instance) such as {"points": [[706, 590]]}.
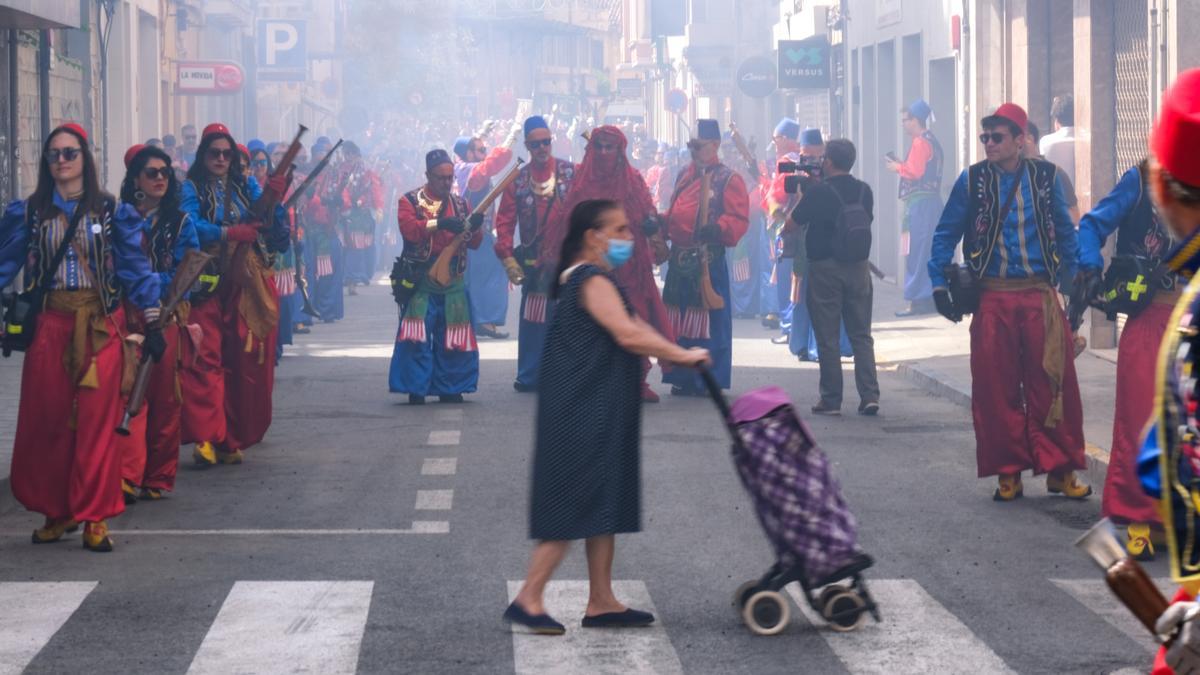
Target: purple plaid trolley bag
{"points": [[800, 506]]}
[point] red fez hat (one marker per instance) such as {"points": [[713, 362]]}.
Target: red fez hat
{"points": [[1011, 112], [215, 128], [244, 150], [74, 127], [1177, 134], [132, 152]]}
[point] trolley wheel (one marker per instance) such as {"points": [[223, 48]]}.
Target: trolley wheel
{"points": [[743, 593], [828, 592], [766, 613], [845, 611]]}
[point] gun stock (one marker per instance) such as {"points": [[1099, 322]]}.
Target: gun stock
{"points": [[440, 272], [185, 276], [312, 176]]}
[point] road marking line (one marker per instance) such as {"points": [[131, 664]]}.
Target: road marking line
{"points": [[297, 626], [588, 650], [439, 466], [1099, 599], [33, 612], [445, 437], [434, 500], [917, 635], [450, 415], [418, 527]]}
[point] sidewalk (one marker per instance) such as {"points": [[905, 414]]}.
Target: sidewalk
{"points": [[935, 354], [10, 393]]}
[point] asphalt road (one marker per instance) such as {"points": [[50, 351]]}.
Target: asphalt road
{"points": [[368, 535]]}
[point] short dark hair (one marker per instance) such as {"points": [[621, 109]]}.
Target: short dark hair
{"points": [[996, 121], [1033, 131], [1188, 195], [840, 153], [584, 216], [1062, 110]]}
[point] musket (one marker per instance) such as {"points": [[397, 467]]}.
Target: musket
{"points": [[301, 281], [743, 150], [186, 274], [440, 272], [263, 208], [312, 176]]}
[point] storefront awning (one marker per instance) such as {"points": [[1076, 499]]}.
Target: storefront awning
{"points": [[39, 14]]}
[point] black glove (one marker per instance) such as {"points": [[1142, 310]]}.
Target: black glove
{"points": [[476, 220], [1088, 287], [452, 225], [710, 234], [155, 345], [945, 307], [652, 225]]}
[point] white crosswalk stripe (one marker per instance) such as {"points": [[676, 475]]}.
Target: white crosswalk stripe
{"points": [[292, 626], [582, 650], [1097, 597], [917, 635], [31, 613]]}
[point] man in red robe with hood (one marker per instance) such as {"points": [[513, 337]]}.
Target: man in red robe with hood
{"points": [[605, 173]]}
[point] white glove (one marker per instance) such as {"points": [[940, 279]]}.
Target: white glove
{"points": [[1184, 654], [513, 135]]}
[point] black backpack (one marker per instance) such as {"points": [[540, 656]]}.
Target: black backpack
{"points": [[852, 229]]}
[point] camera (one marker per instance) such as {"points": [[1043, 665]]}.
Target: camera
{"points": [[800, 174]]}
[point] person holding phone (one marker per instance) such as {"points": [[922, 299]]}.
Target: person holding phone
{"points": [[920, 191]]}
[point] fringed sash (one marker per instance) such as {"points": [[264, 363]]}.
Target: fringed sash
{"points": [[460, 334], [324, 266], [682, 293]]}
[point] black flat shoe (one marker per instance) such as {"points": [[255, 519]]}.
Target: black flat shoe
{"points": [[524, 388], [451, 398], [416, 399], [491, 333], [541, 624], [630, 618]]}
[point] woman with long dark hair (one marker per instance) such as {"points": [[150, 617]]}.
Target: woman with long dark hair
{"points": [[150, 454], [586, 462], [227, 383], [65, 461]]}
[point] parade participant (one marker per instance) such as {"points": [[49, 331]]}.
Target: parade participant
{"points": [[1168, 462], [838, 289], [359, 211], [436, 353], [1012, 218], [605, 173], [534, 199], [487, 281], [1128, 211], [79, 249], [586, 473], [326, 268], [188, 149], [227, 381], [260, 164], [697, 287], [920, 191], [150, 453]]}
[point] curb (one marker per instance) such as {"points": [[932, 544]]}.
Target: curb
{"points": [[935, 383], [8, 502]]}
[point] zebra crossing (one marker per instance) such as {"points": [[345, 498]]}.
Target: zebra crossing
{"points": [[319, 627]]}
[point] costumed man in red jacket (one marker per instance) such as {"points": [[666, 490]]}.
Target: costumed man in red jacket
{"points": [[605, 173], [697, 288]]}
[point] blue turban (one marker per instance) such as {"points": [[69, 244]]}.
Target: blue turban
{"points": [[255, 145], [708, 130], [920, 110], [460, 146], [322, 142], [271, 148], [811, 136], [788, 128], [535, 122], [437, 157]]}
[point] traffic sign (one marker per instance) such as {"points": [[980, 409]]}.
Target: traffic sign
{"points": [[210, 78], [676, 101], [282, 50]]}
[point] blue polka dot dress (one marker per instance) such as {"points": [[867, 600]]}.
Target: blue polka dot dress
{"points": [[586, 462]]}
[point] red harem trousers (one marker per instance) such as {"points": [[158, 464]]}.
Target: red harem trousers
{"points": [[249, 377], [150, 453], [1011, 393], [1137, 365], [65, 463], [202, 376]]}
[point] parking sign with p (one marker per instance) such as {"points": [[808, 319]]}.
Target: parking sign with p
{"points": [[282, 50]]}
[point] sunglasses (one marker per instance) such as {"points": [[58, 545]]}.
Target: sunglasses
{"points": [[154, 173], [214, 153], [479, 148], [258, 163], [606, 147], [544, 143], [448, 179], [995, 137], [65, 154]]}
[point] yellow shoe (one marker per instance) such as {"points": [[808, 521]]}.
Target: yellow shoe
{"points": [[1138, 542], [129, 492], [232, 457], [1010, 488], [53, 530], [1068, 486], [151, 494], [95, 537], [204, 454]]}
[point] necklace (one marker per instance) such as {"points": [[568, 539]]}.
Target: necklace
{"points": [[544, 188], [430, 205]]}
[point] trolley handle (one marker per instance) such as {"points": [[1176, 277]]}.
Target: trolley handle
{"points": [[714, 391]]}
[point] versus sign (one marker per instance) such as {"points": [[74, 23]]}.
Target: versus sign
{"points": [[210, 77], [804, 64]]}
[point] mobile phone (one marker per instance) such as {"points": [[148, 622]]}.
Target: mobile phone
{"points": [[889, 155]]}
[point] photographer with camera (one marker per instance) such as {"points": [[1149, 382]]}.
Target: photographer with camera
{"points": [[837, 212]]}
